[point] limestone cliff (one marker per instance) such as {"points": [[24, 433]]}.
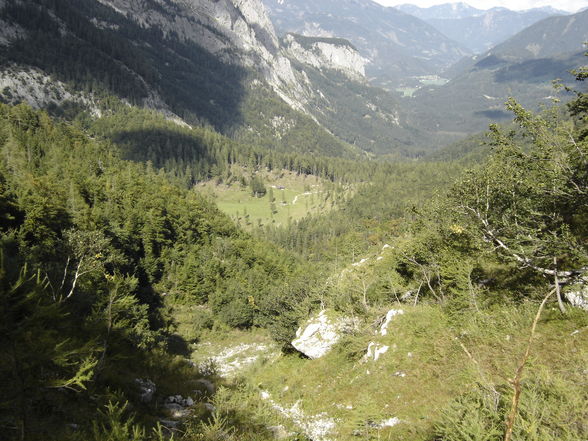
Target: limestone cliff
{"points": [[330, 53]]}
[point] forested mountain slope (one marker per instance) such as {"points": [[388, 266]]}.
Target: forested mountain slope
{"points": [[112, 272], [100, 256], [524, 66], [133, 309], [205, 75], [92, 249], [362, 115]]}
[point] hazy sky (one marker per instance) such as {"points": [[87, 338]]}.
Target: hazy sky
{"points": [[566, 5]]}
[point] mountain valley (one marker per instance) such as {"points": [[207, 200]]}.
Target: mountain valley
{"points": [[250, 220]]}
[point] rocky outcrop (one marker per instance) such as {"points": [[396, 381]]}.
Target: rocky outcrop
{"points": [[233, 360], [389, 316], [39, 90], [178, 407], [374, 351], [320, 333], [327, 53], [318, 427], [279, 432], [390, 422]]}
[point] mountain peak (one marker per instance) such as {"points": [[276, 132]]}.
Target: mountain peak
{"points": [[444, 11], [549, 10]]}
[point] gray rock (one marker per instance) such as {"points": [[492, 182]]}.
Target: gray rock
{"points": [[188, 402], [374, 351], [174, 399], [210, 407], [389, 316], [342, 57], [408, 295], [146, 389], [279, 432], [390, 422], [207, 385], [175, 410]]}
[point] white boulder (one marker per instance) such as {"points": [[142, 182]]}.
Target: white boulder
{"points": [[578, 298], [320, 333]]}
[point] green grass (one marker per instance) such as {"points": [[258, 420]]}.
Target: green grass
{"points": [[296, 196], [407, 91]]}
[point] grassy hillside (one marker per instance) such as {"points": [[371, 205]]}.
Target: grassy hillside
{"points": [[93, 252], [121, 273], [436, 372]]}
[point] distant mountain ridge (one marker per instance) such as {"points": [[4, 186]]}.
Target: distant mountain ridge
{"points": [[477, 29], [444, 11], [524, 67], [399, 46]]}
